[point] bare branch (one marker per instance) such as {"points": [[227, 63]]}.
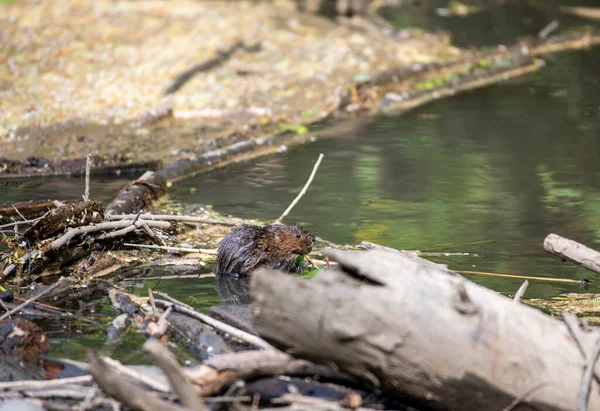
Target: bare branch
{"points": [[299, 196], [521, 291]]}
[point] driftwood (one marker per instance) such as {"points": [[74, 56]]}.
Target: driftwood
{"points": [[419, 333], [120, 388], [222, 370], [67, 216], [138, 194], [219, 325], [573, 251]]}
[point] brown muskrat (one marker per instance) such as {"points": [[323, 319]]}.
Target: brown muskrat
{"points": [[249, 247]]}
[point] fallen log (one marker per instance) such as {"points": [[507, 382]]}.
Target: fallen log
{"points": [[419, 333], [572, 251], [138, 194]]}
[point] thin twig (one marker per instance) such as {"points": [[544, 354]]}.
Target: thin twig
{"points": [[73, 232], [74, 393], [117, 233], [40, 385], [586, 381], [235, 332], [87, 401], [311, 261], [17, 223], [35, 297], [574, 327], [233, 388], [169, 277], [4, 307], [151, 299], [168, 298], [521, 291], [181, 249], [88, 166], [524, 277], [153, 235], [243, 398], [169, 217], [7, 271], [548, 29], [299, 196], [524, 396], [163, 324], [18, 212]]}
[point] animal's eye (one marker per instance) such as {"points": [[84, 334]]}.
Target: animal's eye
{"points": [[298, 235]]}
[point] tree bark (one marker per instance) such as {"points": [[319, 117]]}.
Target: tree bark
{"points": [[138, 194], [420, 333]]}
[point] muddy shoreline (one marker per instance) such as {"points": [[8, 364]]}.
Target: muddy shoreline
{"points": [[92, 78]]}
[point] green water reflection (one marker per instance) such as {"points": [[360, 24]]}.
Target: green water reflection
{"points": [[489, 173]]}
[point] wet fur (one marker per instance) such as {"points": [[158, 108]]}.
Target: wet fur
{"points": [[248, 247]]}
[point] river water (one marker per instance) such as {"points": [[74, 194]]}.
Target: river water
{"points": [[488, 173]]}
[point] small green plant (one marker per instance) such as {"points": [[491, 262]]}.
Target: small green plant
{"points": [[295, 128]]}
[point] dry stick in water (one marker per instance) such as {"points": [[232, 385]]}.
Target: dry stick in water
{"points": [[180, 384], [548, 29], [73, 232], [40, 385], [586, 381], [171, 277], [17, 223], [578, 253], [236, 332], [182, 249], [169, 217], [310, 179], [88, 166], [524, 277], [18, 212], [7, 271], [151, 300], [35, 297], [521, 291]]}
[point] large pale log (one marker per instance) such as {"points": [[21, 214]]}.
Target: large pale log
{"points": [[573, 251], [418, 332]]}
